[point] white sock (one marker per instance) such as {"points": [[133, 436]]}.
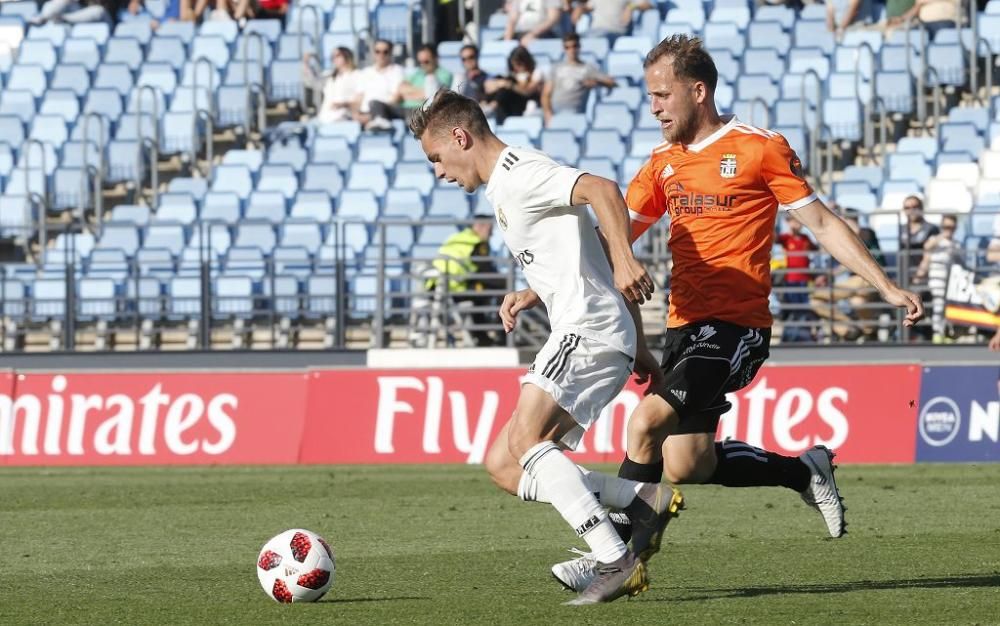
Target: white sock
{"points": [[611, 491], [563, 483]]}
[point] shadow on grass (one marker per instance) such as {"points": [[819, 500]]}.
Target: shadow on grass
{"points": [[948, 582], [353, 600]]}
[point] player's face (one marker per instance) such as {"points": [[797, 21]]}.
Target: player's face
{"points": [[449, 153], [672, 102]]}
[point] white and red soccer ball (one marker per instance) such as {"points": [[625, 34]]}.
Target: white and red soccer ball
{"points": [[296, 566]]}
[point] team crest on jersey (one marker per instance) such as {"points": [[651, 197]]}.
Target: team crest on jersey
{"points": [[727, 166], [501, 218]]}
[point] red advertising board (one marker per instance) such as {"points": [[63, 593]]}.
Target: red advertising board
{"points": [[446, 416], [408, 416], [153, 418]]}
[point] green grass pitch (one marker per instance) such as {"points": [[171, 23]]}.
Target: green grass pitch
{"points": [[440, 545]]}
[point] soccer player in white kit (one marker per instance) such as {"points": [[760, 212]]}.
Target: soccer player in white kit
{"points": [[540, 207]]}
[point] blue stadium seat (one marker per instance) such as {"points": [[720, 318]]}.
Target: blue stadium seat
{"points": [[752, 112], [183, 297], [220, 206], [137, 214], [763, 61], [280, 178], [791, 113], [847, 85], [248, 261], [286, 82], [948, 60], [267, 206], [416, 175], [854, 59], [323, 177], [625, 65], [724, 36], [576, 123], [769, 35], [169, 50], [30, 78], [604, 143], [332, 150], [50, 129], [896, 91], [750, 86], [291, 47], [801, 60], [870, 174], [305, 233], [643, 142], [71, 188], [20, 103], [977, 116], [857, 36], [107, 102], [358, 204], [908, 166], [144, 295], [213, 48], [293, 261], [726, 63], [234, 178], [369, 176], [813, 34], [164, 235], [38, 52], [75, 78], [108, 263], [125, 51], [599, 167], [448, 202], [225, 29], [136, 29], [561, 145], [184, 31], [405, 203], [176, 207], [197, 187], [926, 146], [313, 205], [843, 117], [115, 76], [97, 299], [48, 299], [123, 161], [321, 294]]}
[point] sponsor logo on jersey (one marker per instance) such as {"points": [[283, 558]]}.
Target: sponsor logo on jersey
{"points": [[727, 166], [940, 421], [795, 165], [704, 332], [680, 201], [501, 218]]}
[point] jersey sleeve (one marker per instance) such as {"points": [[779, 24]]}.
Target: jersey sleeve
{"points": [[544, 184], [645, 200], [782, 171]]}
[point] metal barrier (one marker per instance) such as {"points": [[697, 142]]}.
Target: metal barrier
{"points": [[147, 143], [98, 171], [258, 86]]}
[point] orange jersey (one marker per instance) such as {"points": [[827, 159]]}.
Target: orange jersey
{"points": [[722, 196]]}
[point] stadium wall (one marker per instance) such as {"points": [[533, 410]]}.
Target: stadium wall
{"points": [[870, 411]]}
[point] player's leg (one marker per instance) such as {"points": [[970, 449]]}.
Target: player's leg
{"points": [[538, 423]]}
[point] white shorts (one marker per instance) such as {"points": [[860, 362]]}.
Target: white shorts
{"points": [[582, 375]]}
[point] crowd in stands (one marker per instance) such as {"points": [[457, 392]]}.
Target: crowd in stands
{"points": [[379, 82]]}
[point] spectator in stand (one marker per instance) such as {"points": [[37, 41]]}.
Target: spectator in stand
{"points": [[340, 87], [842, 15], [935, 14], [412, 92], [77, 12], [995, 341], [528, 20], [570, 82], [798, 247], [380, 82], [471, 83], [463, 257], [915, 234], [520, 90], [849, 290], [609, 18], [193, 10], [940, 251]]}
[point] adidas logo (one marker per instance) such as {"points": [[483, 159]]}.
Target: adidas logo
{"points": [[289, 571], [680, 394], [704, 333], [667, 172]]}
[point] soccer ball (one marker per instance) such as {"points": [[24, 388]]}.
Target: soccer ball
{"points": [[296, 566]]}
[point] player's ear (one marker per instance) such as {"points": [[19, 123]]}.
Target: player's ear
{"points": [[700, 92], [462, 137]]}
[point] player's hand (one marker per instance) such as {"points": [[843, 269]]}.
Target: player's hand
{"points": [[995, 342], [647, 370], [515, 302], [632, 279], [907, 300]]}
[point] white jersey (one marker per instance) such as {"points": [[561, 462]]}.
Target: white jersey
{"points": [[557, 246]]}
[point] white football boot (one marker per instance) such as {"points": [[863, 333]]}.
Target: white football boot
{"points": [[822, 493]]}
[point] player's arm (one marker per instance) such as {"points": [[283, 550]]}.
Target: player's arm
{"points": [[647, 368], [606, 199], [844, 245]]}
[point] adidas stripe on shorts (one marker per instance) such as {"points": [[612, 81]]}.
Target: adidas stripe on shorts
{"points": [[582, 375]]}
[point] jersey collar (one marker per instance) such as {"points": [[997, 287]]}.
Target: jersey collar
{"points": [[730, 122]]}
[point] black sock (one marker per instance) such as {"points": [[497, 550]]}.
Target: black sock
{"points": [[642, 472], [743, 465]]}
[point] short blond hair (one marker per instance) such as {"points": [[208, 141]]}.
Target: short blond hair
{"points": [[689, 59]]}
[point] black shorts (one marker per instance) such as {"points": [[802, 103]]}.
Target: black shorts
{"points": [[704, 361]]}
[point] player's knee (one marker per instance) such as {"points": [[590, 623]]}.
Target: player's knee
{"points": [[648, 424], [683, 469]]}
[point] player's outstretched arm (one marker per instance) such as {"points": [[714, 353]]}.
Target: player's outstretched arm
{"points": [[844, 245], [631, 278], [515, 302]]}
